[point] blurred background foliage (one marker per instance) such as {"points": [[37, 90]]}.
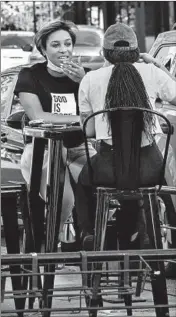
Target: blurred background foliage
{"points": [[149, 17]]}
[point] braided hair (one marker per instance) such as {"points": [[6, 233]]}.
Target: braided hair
{"points": [[126, 87]]}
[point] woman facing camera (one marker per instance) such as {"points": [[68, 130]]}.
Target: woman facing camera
{"points": [[49, 91]]}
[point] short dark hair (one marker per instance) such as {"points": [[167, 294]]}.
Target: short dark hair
{"points": [[114, 57], [42, 35]]}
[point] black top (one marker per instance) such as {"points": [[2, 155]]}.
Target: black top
{"points": [[51, 91], [37, 80]]}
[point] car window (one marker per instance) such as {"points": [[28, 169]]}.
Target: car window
{"points": [[87, 38], [16, 105], [166, 55], [15, 41], [7, 82]]}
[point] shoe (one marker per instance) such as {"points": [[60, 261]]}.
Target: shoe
{"points": [[88, 243]]}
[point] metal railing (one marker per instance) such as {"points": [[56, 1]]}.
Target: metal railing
{"points": [[72, 285]]}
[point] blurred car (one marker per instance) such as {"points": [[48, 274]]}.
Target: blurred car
{"points": [[12, 112], [16, 47], [11, 137], [88, 45], [164, 49], [10, 167]]}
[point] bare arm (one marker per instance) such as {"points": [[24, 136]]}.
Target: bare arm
{"points": [[147, 58], [34, 110], [90, 128]]}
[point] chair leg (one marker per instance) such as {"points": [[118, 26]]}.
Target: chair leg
{"points": [[96, 300], [127, 282], [143, 237], [48, 284], [128, 302], [158, 279], [28, 246], [12, 238], [124, 244], [101, 219], [3, 283], [55, 195], [141, 279]]}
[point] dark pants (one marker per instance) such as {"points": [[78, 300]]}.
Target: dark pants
{"points": [[150, 167]]}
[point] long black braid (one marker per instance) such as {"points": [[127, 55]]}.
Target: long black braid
{"points": [[126, 87]]}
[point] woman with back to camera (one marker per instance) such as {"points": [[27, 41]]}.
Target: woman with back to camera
{"points": [[51, 86], [123, 83]]}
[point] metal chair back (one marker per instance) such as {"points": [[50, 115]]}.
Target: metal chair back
{"points": [[126, 127]]}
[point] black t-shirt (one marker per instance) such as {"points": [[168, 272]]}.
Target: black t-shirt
{"points": [[51, 91], [38, 81]]}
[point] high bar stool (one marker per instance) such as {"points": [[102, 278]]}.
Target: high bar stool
{"points": [[11, 196], [126, 127]]}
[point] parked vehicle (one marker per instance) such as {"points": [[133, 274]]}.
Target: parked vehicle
{"points": [[15, 48], [164, 48], [11, 137], [12, 111], [88, 45]]}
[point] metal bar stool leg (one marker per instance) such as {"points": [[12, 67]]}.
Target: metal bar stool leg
{"points": [[158, 279], [27, 268], [143, 237], [28, 240], [127, 297], [3, 283], [54, 207], [35, 202], [102, 211], [36, 207], [12, 238]]}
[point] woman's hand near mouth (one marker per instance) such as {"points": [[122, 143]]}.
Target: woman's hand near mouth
{"points": [[74, 71]]}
